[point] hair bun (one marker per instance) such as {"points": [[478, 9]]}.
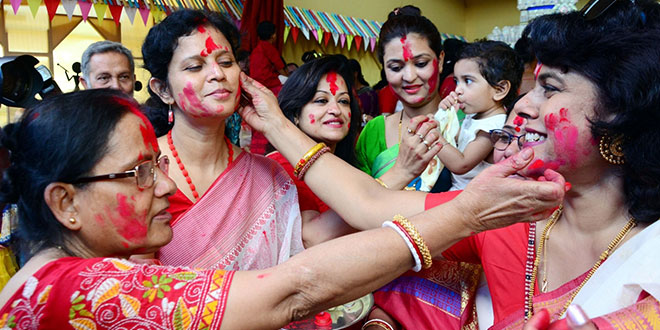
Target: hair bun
{"points": [[408, 10]]}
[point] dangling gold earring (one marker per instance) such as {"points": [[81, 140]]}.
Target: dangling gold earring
{"points": [[170, 115], [72, 220], [611, 148]]}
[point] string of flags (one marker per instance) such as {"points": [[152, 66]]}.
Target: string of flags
{"points": [[344, 31]]}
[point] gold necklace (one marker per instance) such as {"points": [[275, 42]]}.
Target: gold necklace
{"points": [[400, 120], [603, 256]]}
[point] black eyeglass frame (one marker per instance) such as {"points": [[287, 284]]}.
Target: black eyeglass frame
{"points": [[511, 138], [594, 8], [129, 173]]}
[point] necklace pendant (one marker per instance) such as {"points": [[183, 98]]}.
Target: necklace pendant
{"points": [[544, 286]]}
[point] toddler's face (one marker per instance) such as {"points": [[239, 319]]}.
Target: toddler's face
{"points": [[475, 94]]}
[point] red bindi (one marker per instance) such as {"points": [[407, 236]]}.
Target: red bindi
{"points": [[332, 80], [210, 47]]}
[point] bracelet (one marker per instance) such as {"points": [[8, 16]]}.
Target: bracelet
{"points": [[409, 242], [381, 183], [305, 158], [311, 161], [379, 323], [417, 238]]}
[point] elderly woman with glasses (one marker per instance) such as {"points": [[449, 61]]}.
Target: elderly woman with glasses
{"points": [[593, 117], [92, 189]]}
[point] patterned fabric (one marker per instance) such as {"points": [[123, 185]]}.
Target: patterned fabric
{"points": [[643, 315], [248, 219], [98, 293], [441, 297]]}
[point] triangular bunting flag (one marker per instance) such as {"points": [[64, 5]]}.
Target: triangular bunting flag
{"points": [[100, 8], [366, 44], [130, 12], [358, 42], [51, 7], [116, 13], [144, 13], [294, 34], [305, 32], [69, 7], [34, 6], [326, 37], [335, 37], [349, 39], [342, 38], [84, 9], [373, 44], [319, 33], [15, 4], [287, 29], [315, 34]]}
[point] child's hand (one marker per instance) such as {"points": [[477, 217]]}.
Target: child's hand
{"points": [[450, 100]]}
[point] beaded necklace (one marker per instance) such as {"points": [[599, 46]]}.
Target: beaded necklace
{"points": [[175, 154]]}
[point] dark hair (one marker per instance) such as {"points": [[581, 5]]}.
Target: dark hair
{"points": [[355, 67], [524, 49], [618, 52], [310, 55], [405, 22], [405, 10], [162, 39], [60, 139], [301, 86], [265, 30], [497, 61], [453, 48]]}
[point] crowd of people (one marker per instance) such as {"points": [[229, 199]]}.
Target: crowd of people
{"points": [[158, 216]]}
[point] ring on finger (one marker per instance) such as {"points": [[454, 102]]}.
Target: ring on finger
{"points": [[410, 131], [426, 143], [421, 137]]}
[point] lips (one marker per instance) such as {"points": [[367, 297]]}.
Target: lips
{"points": [[220, 94], [533, 138], [163, 216], [412, 89], [334, 123]]}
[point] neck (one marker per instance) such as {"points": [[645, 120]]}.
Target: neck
{"points": [[200, 141], [495, 110]]}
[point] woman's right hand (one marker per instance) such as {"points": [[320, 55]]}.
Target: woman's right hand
{"points": [[264, 111], [415, 155], [449, 101]]}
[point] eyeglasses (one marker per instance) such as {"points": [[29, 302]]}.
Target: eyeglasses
{"points": [[144, 173], [595, 8], [502, 139]]}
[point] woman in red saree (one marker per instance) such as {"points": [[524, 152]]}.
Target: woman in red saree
{"points": [[91, 187], [232, 209]]}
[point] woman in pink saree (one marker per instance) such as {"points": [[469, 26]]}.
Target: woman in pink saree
{"points": [[232, 209]]}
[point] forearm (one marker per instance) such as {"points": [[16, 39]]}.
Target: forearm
{"points": [[354, 195], [335, 272], [396, 179], [320, 227]]}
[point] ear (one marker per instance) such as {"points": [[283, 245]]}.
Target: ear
{"points": [[60, 199], [501, 90], [162, 90], [441, 61], [296, 121], [84, 82]]}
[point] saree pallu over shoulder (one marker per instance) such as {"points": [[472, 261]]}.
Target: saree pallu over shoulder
{"points": [[75, 293], [248, 219]]}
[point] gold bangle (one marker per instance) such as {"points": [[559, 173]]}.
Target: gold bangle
{"points": [[379, 323], [305, 158], [381, 182], [417, 238]]}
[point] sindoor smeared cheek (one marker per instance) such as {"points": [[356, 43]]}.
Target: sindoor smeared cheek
{"points": [[195, 106], [129, 224], [407, 53], [331, 78], [566, 136], [433, 81], [312, 119], [518, 122]]}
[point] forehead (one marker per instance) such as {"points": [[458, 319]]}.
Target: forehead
{"points": [[417, 43], [467, 66], [109, 61], [196, 41], [124, 144], [324, 83]]}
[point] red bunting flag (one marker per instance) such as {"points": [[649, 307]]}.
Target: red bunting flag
{"points": [[326, 37], [294, 34], [51, 7], [116, 13], [358, 41]]}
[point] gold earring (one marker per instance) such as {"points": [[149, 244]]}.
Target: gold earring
{"points": [[72, 220], [611, 148]]}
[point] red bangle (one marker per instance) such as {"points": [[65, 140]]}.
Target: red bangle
{"points": [[419, 253], [311, 161]]}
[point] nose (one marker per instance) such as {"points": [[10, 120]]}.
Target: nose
{"points": [[114, 83], [216, 72], [527, 107], [164, 186], [409, 72], [333, 108]]}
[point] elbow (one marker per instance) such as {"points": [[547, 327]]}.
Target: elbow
{"points": [[309, 294]]}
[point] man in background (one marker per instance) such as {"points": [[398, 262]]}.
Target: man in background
{"points": [[108, 64]]}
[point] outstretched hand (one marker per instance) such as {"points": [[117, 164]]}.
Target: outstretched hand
{"points": [[264, 111], [497, 201]]}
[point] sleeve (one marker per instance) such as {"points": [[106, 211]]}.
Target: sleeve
{"points": [[367, 143], [641, 315], [274, 57]]}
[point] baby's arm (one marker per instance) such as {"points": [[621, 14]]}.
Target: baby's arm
{"points": [[462, 162]]}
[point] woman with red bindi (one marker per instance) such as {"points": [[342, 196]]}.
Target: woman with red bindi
{"points": [[224, 194]]}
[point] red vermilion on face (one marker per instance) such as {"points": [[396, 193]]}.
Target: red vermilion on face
{"points": [[210, 47], [332, 81], [566, 135], [312, 120], [129, 224], [433, 81], [147, 130], [407, 53]]}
